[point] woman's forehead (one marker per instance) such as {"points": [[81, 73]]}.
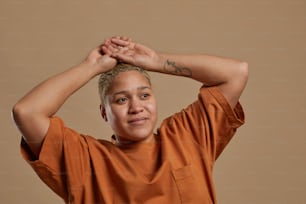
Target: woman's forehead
{"points": [[129, 81]]}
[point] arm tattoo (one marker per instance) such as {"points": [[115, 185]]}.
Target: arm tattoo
{"points": [[172, 68]]}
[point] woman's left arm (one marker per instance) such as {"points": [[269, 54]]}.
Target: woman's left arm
{"points": [[228, 74]]}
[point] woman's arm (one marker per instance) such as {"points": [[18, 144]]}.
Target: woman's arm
{"points": [[32, 112], [228, 74]]}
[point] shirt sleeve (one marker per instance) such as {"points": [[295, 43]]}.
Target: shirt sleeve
{"points": [[63, 158], [210, 121]]}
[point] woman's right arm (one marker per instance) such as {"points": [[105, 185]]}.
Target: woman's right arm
{"points": [[33, 111]]}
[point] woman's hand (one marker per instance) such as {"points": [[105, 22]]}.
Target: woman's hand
{"points": [[124, 50], [99, 60]]}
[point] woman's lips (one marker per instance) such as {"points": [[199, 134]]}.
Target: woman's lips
{"points": [[137, 121]]}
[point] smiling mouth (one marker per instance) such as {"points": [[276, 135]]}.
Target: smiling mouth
{"points": [[137, 121]]}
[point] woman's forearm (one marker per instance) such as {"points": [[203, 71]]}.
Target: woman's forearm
{"points": [[47, 97], [207, 69], [228, 74]]}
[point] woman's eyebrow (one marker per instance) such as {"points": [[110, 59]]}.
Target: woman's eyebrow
{"points": [[126, 91], [120, 92], [143, 87]]}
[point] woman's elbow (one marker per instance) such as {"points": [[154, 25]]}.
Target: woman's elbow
{"points": [[243, 72], [20, 113], [17, 112]]}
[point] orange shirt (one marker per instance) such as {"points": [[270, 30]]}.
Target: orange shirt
{"points": [[176, 168]]}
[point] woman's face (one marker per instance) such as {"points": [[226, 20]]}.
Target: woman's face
{"points": [[130, 107]]}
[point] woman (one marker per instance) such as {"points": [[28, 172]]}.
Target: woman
{"points": [[173, 165]]}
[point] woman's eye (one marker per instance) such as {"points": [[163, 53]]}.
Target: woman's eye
{"points": [[121, 100], [145, 96]]}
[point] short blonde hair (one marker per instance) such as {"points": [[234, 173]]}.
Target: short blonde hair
{"points": [[106, 78]]}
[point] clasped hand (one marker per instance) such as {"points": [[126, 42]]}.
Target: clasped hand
{"points": [[123, 49]]}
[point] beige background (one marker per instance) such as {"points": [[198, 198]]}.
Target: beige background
{"points": [[264, 163]]}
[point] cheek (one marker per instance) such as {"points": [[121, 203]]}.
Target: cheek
{"points": [[114, 114], [152, 108]]}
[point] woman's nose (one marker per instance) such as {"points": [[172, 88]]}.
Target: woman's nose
{"points": [[135, 106]]}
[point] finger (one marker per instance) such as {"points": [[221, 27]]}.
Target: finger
{"points": [[110, 48], [120, 42], [121, 49], [114, 37], [125, 38], [123, 57], [119, 37], [105, 50], [114, 47], [107, 41]]}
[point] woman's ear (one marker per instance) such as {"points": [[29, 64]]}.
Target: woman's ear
{"points": [[102, 111]]}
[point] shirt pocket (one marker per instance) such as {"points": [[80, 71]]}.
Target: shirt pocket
{"points": [[186, 184]]}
